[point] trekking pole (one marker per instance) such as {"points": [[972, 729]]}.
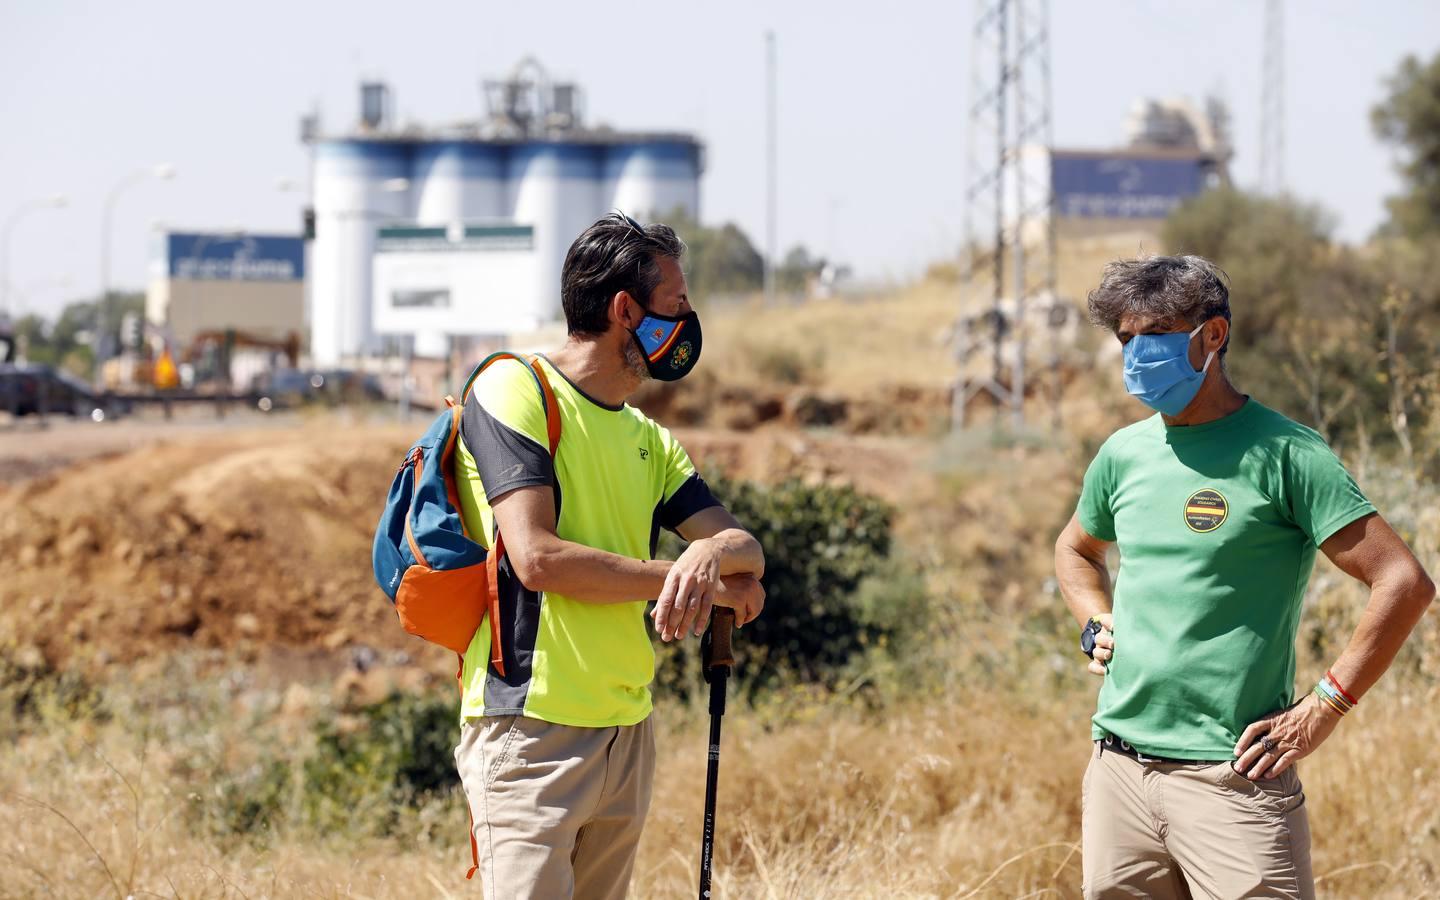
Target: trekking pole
{"points": [[717, 661]]}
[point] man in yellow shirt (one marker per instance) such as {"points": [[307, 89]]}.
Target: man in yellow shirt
{"points": [[557, 753]]}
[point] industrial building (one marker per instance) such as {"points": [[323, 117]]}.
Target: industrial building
{"points": [[206, 282], [228, 306], [1173, 152], [433, 233]]}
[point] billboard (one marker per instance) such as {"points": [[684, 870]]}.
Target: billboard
{"points": [[1122, 186], [233, 256], [461, 280]]}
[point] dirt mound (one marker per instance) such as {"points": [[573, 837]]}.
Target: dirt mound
{"points": [[879, 409], [252, 539], [246, 538]]}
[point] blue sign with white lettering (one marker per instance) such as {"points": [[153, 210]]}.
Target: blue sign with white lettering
{"points": [[235, 256], [1117, 186]]}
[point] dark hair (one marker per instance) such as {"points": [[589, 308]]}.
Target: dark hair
{"points": [[613, 255], [1189, 289]]}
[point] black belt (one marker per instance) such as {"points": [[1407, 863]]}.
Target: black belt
{"points": [[1111, 742]]}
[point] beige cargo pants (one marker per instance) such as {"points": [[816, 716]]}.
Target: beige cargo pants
{"points": [[557, 810], [1192, 830]]}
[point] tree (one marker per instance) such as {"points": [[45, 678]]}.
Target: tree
{"points": [[1272, 249], [718, 260], [796, 270], [1409, 118], [68, 343], [1339, 338]]}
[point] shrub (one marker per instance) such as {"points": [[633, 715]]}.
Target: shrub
{"points": [[821, 542], [392, 755]]}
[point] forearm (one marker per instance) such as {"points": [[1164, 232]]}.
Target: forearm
{"points": [[590, 575], [740, 553], [1391, 614], [1083, 582]]}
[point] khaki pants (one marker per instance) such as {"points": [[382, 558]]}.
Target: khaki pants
{"points": [[557, 809], [1196, 829]]}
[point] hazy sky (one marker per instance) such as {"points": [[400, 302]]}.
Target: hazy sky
{"points": [[872, 99]]}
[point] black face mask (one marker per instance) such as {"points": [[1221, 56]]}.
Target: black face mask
{"points": [[670, 344]]}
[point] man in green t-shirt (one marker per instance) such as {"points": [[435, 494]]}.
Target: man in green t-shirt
{"points": [[1217, 506], [556, 752]]}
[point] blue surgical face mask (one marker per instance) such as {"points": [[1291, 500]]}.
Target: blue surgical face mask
{"points": [[1158, 371]]}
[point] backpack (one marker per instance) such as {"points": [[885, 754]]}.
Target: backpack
{"points": [[442, 581]]}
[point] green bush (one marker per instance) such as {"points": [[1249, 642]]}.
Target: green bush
{"points": [[821, 543], [363, 773], [393, 754], [33, 691]]}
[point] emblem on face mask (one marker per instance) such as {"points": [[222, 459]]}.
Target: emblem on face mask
{"points": [[681, 356], [657, 334], [1206, 511]]}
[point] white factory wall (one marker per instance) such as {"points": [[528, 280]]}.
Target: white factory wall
{"points": [[479, 287]]}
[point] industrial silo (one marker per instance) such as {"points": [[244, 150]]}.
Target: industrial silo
{"points": [[458, 181], [651, 178], [556, 188], [358, 185]]}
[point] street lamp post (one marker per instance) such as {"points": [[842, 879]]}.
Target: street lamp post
{"points": [[164, 172], [57, 201]]}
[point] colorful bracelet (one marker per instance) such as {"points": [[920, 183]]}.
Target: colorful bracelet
{"points": [[1333, 695], [1340, 687], [1325, 699]]}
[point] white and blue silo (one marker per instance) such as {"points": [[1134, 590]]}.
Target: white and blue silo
{"points": [[556, 183], [459, 181], [556, 189], [359, 185], [651, 179]]}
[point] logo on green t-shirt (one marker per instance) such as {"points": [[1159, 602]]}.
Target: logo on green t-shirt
{"points": [[1206, 510]]}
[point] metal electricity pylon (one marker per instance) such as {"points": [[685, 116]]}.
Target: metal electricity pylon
{"points": [[1008, 261]]}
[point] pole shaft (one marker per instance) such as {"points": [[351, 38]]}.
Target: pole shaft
{"points": [[718, 677]]}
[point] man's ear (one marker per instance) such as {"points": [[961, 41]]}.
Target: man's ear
{"points": [[1219, 328], [625, 311]]}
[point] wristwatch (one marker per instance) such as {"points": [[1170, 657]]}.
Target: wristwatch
{"points": [[1087, 636]]}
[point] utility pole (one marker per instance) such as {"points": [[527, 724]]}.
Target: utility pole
{"points": [[1272, 101], [770, 164]]}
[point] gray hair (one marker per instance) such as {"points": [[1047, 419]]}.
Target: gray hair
{"points": [[1189, 289]]}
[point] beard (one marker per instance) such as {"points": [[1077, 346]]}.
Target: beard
{"points": [[634, 361]]}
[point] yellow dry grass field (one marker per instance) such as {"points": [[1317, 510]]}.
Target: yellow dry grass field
{"points": [[183, 611], [936, 798]]}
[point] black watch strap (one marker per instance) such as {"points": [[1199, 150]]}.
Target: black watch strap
{"points": [[1088, 634]]}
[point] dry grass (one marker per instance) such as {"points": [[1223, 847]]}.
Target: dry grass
{"points": [[935, 798], [849, 346]]}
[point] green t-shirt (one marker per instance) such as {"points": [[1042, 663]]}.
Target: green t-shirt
{"points": [[618, 478], [1217, 527]]}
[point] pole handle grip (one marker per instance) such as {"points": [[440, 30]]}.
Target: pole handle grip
{"points": [[722, 623]]}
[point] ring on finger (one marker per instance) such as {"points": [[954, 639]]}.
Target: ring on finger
{"points": [[1267, 743]]}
